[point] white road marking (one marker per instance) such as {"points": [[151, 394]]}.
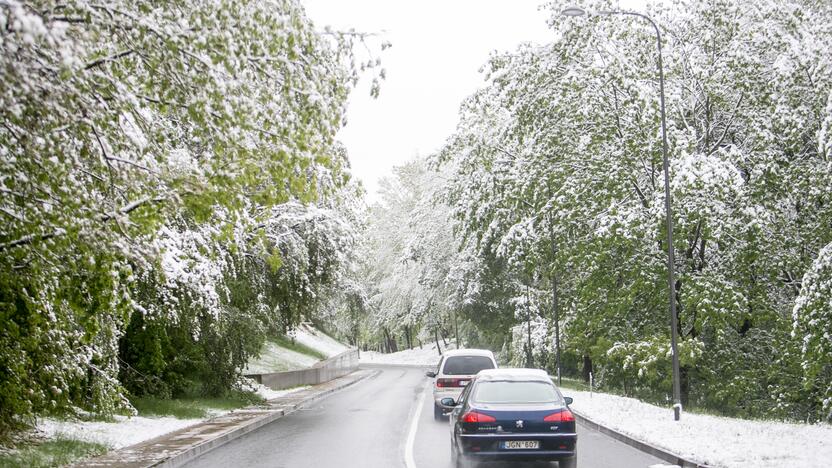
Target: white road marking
{"points": [[409, 461]]}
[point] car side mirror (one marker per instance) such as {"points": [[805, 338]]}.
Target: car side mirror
{"points": [[430, 374], [568, 400], [447, 402]]}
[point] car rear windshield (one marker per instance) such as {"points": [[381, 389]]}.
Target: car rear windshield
{"points": [[515, 392], [466, 365]]}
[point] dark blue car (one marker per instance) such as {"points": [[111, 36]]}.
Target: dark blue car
{"points": [[512, 414]]}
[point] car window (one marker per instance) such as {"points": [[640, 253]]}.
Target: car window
{"points": [[466, 365], [516, 392], [464, 395]]}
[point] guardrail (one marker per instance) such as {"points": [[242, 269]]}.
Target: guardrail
{"points": [[323, 371]]}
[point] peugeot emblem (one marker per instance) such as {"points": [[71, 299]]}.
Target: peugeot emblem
{"points": [[519, 424]]}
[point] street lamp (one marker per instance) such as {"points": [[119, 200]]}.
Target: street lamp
{"points": [[578, 11]]}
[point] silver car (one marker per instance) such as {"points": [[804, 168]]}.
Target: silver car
{"points": [[454, 372]]}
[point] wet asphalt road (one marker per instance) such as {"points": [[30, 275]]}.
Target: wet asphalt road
{"points": [[367, 426]]}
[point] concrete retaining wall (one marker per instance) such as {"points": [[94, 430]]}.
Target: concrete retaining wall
{"points": [[324, 371]]}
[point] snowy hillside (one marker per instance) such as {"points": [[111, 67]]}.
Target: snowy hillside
{"points": [[277, 358], [308, 335], [425, 356]]}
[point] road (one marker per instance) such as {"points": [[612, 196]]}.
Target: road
{"points": [[371, 425]]}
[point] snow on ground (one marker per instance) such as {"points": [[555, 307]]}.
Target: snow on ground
{"points": [[126, 431], [266, 392], [424, 356], [717, 441], [307, 335], [274, 358], [121, 433]]}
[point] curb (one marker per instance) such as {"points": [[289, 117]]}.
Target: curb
{"points": [[635, 443], [163, 451]]}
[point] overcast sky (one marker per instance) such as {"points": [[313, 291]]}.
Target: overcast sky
{"points": [[438, 48]]}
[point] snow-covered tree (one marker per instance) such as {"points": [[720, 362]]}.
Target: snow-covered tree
{"points": [[149, 153], [557, 171]]}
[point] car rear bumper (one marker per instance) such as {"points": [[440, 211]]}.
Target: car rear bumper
{"points": [[539, 455], [487, 446]]}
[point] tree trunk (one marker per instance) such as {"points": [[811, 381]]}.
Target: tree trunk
{"points": [[394, 346], [684, 385], [436, 337], [456, 331], [408, 337], [587, 368]]}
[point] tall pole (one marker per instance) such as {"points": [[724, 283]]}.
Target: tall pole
{"points": [[671, 282], [555, 309], [528, 330]]}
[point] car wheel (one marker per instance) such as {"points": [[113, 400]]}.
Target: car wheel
{"points": [[568, 462], [457, 460], [437, 413], [462, 462]]}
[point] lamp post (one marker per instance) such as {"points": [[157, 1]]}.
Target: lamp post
{"points": [[677, 406]]}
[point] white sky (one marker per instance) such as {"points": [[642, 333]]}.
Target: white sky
{"points": [[438, 49]]}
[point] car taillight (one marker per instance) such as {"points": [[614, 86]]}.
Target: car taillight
{"points": [[474, 417], [450, 382], [561, 416]]}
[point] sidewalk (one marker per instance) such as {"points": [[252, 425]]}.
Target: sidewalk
{"points": [[178, 447]]}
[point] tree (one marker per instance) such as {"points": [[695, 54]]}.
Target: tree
{"points": [[145, 151], [561, 149]]}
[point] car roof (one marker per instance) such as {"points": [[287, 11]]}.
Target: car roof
{"points": [[513, 374], [469, 352]]}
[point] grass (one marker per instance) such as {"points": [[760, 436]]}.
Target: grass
{"points": [[56, 452], [280, 354], [285, 342], [193, 407], [573, 384]]}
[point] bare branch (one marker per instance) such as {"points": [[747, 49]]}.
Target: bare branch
{"points": [[30, 238], [111, 58], [727, 126]]}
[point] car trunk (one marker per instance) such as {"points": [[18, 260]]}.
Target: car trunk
{"points": [[521, 423]]}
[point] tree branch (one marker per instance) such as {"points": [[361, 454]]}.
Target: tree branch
{"points": [[727, 126], [30, 238], [111, 58]]}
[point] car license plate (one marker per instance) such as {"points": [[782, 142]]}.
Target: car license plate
{"points": [[521, 444]]}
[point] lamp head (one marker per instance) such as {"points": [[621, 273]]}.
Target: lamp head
{"points": [[573, 10]]}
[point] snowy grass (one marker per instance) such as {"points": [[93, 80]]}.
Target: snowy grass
{"points": [[714, 440], [267, 393], [304, 347], [426, 356], [195, 407], [293, 344], [123, 431], [59, 451], [280, 354], [567, 383], [314, 339]]}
